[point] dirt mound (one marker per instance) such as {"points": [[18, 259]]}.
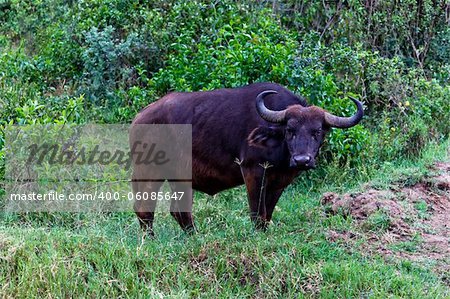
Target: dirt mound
{"points": [[361, 205], [406, 221], [364, 205]]}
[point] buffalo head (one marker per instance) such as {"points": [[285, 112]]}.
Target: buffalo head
{"points": [[301, 128]]}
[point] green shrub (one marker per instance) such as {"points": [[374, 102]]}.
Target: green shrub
{"points": [[238, 51], [110, 64]]}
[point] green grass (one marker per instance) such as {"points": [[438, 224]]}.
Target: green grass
{"points": [[422, 208], [92, 255]]}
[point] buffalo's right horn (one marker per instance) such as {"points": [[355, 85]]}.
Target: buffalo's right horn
{"points": [[346, 122], [267, 114]]}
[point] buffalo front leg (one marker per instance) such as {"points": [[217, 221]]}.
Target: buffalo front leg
{"points": [[272, 197], [256, 191], [181, 205], [144, 207]]}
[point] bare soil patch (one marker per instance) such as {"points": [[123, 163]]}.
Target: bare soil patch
{"points": [[410, 222]]}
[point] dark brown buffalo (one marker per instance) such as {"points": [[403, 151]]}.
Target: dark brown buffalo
{"points": [[235, 132]]}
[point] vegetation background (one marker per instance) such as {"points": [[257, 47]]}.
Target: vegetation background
{"points": [[64, 61]]}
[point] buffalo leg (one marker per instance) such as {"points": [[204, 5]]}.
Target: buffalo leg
{"points": [[256, 191], [181, 208], [272, 198], [145, 209]]}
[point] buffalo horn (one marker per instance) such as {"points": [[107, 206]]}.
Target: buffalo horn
{"points": [[346, 122], [267, 114]]}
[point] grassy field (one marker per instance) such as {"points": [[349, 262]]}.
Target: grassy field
{"points": [[92, 255]]}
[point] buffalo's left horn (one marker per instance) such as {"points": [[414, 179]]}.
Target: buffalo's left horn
{"points": [[346, 122], [267, 114]]}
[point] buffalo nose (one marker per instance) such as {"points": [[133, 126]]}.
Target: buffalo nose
{"points": [[302, 160]]}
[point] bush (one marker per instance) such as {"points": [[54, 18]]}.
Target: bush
{"points": [[110, 64], [239, 50], [404, 110]]}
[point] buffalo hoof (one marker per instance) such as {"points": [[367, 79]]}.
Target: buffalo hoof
{"points": [[261, 225], [190, 230], [148, 234], [147, 229]]}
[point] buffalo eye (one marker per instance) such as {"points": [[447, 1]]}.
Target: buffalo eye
{"points": [[290, 133], [317, 133]]}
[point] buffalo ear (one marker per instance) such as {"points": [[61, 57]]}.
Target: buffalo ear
{"points": [[266, 137]]}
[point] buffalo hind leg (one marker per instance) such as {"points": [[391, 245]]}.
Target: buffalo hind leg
{"points": [[145, 209], [181, 206]]}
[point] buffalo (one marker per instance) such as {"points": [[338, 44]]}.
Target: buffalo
{"points": [[261, 135]]}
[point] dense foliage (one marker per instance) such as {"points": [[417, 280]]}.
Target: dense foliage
{"points": [[103, 60]]}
